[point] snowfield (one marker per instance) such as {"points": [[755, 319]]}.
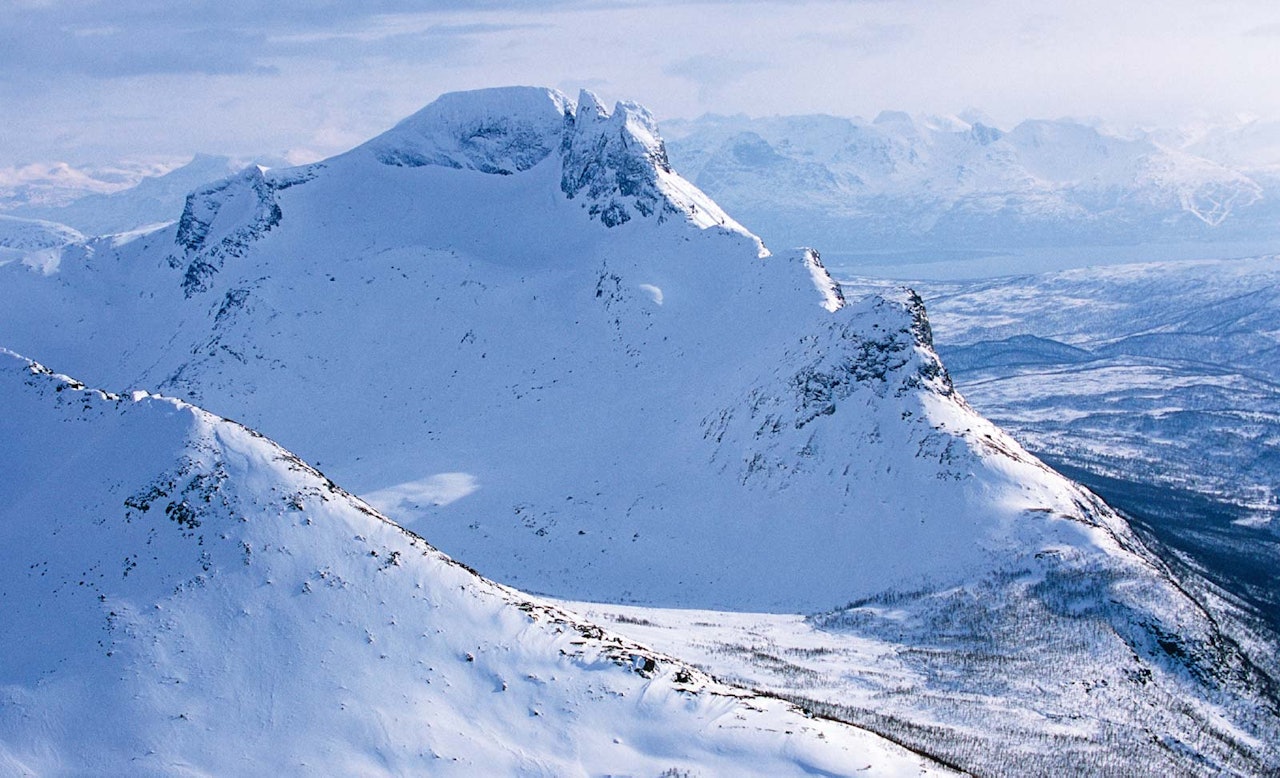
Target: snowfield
{"points": [[36, 244]]}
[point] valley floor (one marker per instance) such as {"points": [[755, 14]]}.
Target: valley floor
{"points": [[1016, 709]]}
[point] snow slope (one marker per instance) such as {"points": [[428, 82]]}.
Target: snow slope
{"points": [[399, 316], [1158, 382], [512, 324], [182, 596], [36, 244]]}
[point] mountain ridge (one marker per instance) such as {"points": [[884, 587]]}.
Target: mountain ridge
{"points": [[213, 588], [654, 411]]}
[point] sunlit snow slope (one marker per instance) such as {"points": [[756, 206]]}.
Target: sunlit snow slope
{"points": [[1158, 384], [179, 595], [510, 304], [508, 323]]}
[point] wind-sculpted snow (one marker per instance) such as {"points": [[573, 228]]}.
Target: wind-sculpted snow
{"points": [[181, 595]]}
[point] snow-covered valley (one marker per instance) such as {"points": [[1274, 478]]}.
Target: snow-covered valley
{"points": [[997, 693], [512, 327]]}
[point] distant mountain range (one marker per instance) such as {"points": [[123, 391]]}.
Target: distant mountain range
{"points": [[897, 188], [903, 184], [150, 200]]}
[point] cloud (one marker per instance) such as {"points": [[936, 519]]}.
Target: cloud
{"points": [[113, 51], [411, 497], [400, 39], [141, 37], [712, 73], [90, 81], [864, 40]]}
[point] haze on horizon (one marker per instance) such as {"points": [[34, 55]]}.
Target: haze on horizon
{"points": [[93, 82]]}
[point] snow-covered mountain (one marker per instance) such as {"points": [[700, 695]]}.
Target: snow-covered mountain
{"points": [[54, 184], [513, 326], [1250, 143], [37, 244], [898, 184], [181, 595], [514, 293], [151, 200], [1155, 382]]}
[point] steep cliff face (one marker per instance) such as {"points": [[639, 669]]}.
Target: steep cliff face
{"points": [[219, 222], [614, 160]]}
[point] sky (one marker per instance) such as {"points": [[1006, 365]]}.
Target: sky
{"points": [[98, 81]]}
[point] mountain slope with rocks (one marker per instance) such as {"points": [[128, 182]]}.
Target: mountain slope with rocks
{"points": [[181, 595], [510, 324]]}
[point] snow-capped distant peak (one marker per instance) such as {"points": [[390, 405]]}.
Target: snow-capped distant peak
{"points": [[35, 243]]}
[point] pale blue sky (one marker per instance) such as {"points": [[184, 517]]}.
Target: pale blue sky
{"points": [[98, 80]]}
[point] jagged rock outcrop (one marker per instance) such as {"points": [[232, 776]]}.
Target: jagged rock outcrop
{"points": [[243, 206]]}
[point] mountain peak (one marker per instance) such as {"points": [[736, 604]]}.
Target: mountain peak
{"points": [[613, 161], [590, 106], [502, 130]]}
